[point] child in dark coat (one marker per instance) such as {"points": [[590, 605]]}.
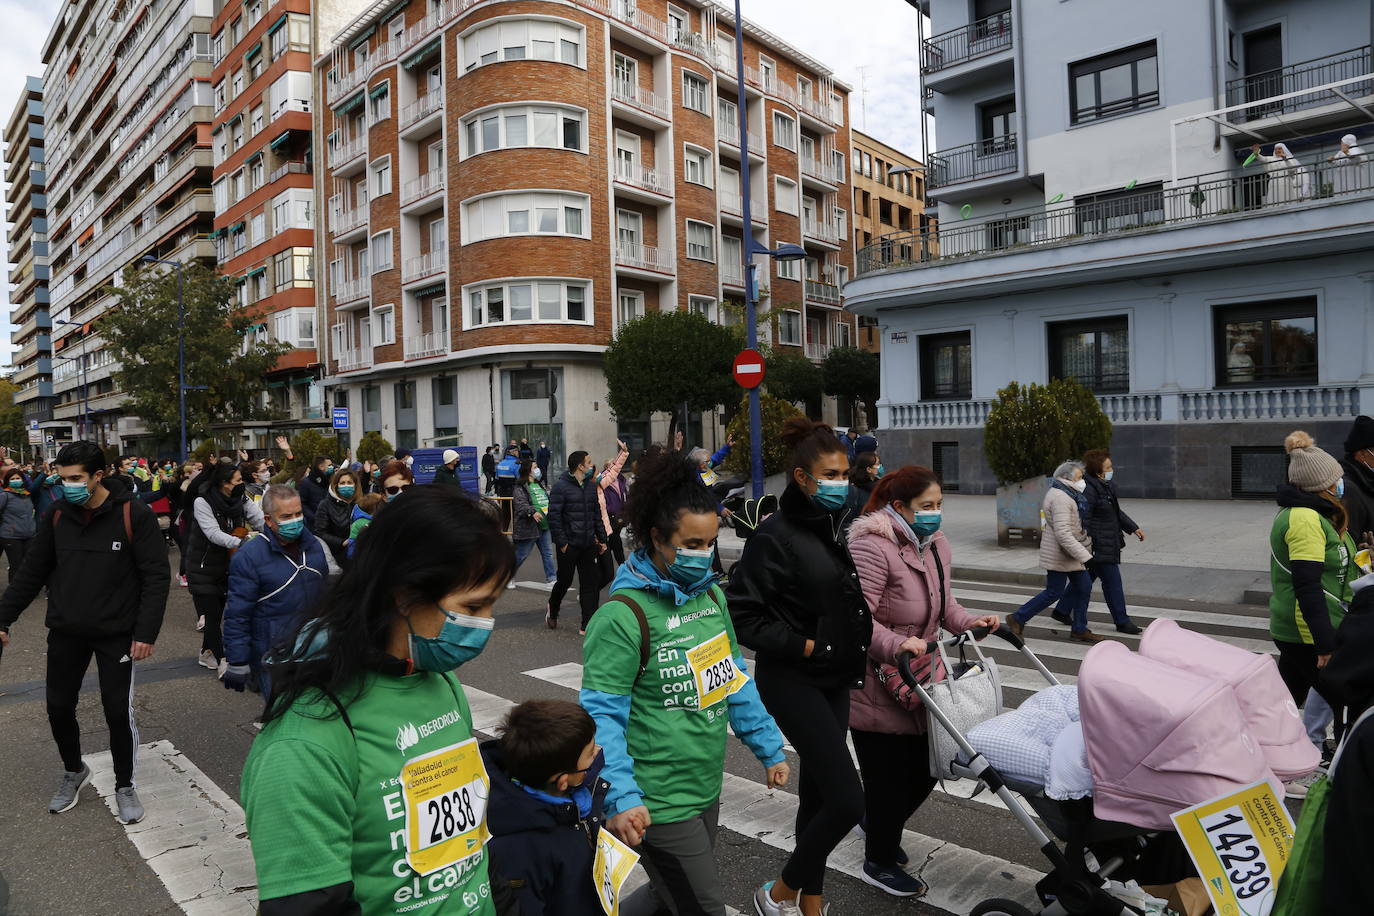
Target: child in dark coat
{"points": [[545, 808]]}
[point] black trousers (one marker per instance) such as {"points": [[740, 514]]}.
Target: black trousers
{"points": [[616, 546], [581, 561], [212, 608], [1298, 668], [897, 781], [831, 798], [68, 658], [15, 551]]}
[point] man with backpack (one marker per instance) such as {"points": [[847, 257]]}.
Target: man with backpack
{"points": [[102, 557]]}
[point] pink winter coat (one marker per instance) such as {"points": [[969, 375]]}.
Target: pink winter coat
{"points": [[902, 587]]}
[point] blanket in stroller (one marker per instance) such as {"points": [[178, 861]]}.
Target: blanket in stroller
{"points": [[1039, 742]]}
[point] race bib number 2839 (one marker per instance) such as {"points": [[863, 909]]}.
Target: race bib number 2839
{"points": [[445, 795], [713, 668]]}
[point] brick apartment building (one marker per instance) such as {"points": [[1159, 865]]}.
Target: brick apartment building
{"points": [[508, 182], [26, 208]]}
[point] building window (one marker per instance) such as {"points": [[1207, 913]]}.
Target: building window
{"points": [[379, 104], [528, 301], [789, 328], [1113, 211], [678, 23], [696, 94], [381, 176], [702, 305], [789, 269], [1257, 470], [523, 39], [784, 131], [384, 322], [525, 213], [381, 251], [947, 366], [1267, 343], [701, 241], [1113, 83], [997, 127], [524, 126], [696, 166], [1096, 353], [631, 305], [944, 461], [785, 195]]}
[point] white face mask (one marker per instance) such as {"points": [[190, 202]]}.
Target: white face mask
{"points": [[1080, 484]]}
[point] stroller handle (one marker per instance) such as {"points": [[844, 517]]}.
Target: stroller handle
{"points": [[905, 659]]}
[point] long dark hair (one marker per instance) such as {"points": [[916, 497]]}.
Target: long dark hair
{"points": [[904, 485], [666, 485], [429, 542]]}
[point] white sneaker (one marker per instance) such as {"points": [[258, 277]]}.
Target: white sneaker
{"points": [[765, 905], [207, 660], [200, 623], [1298, 787], [510, 584]]}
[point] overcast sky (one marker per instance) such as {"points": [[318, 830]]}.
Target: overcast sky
{"points": [[881, 41]]}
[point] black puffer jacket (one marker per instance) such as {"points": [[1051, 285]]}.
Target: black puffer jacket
{"points": [[1359, 497], [796, 582], [1105, 523], [333, 519], [207, 563], [575, 513]]}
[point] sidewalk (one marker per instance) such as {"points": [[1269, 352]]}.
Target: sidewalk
{"points": [[1194, 550]]}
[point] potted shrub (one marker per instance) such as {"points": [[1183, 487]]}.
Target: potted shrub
{"points": [[1029, 431]]}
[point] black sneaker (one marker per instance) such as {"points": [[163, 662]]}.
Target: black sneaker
{"points": [[1130, 629], [892, 880]]}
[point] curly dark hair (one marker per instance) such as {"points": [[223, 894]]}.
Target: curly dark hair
{"points": [[666, 485]]}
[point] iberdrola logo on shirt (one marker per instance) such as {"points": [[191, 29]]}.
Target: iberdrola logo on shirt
{"points": [[407, 736]]}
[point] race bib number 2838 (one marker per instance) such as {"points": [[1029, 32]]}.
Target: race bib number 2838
{"points": [[445, 795]]}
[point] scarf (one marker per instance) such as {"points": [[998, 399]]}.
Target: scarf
{"points": [[579, 795], [638, 571], [1080, 498]]}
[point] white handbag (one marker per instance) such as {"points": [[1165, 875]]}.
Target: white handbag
{"points": [[970, 694]]}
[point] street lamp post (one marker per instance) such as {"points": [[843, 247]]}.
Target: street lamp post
{"points": [[181, 347], [85, 401], [752, 248]]}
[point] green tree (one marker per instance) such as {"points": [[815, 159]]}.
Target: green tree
{"points": [[206, 451], [374, 448], [141, 333], [1089, 427], [853, 373], [793, 377], [1026, 433], [663, 360], [774, 412], [13, 433]]}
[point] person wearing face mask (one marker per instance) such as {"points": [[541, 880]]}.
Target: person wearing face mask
{"points": [[864, 471], [368, 728], [530, 523], [314, 487], [578, 535], [796, 600], [273, 581], [1358, 467], [663, 729], [101, 556], [547, 801], [1311, 566], [1107, 527], [1065, 549], [396, 479], [256, 477], [334, 515], [17, 521], [221, 516], [904, 563]]}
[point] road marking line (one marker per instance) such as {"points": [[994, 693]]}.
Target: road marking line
{"points": [[1098, 609], [959, 878], [192, 836]]}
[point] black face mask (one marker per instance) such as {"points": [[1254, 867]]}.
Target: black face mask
{"points": [[236, 494]]}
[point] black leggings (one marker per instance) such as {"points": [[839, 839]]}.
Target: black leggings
{"points": [[897, 781], [1298, 668], [212, 608], [814, 720], [68, 659]]}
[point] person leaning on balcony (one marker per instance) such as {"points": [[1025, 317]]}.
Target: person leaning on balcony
{"points": [[1358, 465], [1065, 548], [1347, 176], [1288, 180]]}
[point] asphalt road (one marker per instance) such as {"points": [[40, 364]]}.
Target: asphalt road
{"points": [[84, 862]]}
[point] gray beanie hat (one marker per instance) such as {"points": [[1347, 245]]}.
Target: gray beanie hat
{"points": [[1310, 468]]}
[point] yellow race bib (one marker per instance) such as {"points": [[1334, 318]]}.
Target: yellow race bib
{"points": [[611, 866], [713, 668], [445, 794]]}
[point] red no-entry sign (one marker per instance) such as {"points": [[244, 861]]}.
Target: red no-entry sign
{"points": [[748, 369]]}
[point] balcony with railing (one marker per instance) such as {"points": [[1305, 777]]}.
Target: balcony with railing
{"points": [[826, 293], [350, 290], [1195, 201], [976, 40], [645, 257], [1262, 88], [972, 162], [288, 168], [820, 170], [346, 83], [425, 185], [421, 346], [425, 265], [732, 274], [421, 108], [341, 153], [342, 221], [637, 96], [729, 133], [353, 360], [638, 176], [821, 229]]}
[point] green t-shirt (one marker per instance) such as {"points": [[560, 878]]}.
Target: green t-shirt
{"points": [[677, 748], [539, 497], [324, 805], [1300, 533]]}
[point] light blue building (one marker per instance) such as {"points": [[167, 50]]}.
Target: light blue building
{"points": [[1101, 218]]}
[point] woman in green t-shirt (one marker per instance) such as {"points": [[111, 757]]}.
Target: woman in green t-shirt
{"points": [[663, 682], [365, 792]]}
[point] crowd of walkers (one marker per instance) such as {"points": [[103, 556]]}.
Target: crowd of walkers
{"points": [[349, 598]]}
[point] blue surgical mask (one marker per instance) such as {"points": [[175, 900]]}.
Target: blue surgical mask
{"points": [[15, 484], [830, 494], [879, 471], [926, 523], [1340, 488], [346, 491], [589, 473], [292, 530], [1108, 475], [460, 640], [689, 566], [53, 480], [76, 493]]}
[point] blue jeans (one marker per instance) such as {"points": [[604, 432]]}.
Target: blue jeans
{"points": [[545, 542], [1073, 587], [1110, 576], [1316, 716]]}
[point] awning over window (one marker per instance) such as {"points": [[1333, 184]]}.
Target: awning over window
{"points": [[355, 101], [429, 290], [430, 48], [256, 270], [362, 38], [278, 24], [254, 51], [379, 89]]}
